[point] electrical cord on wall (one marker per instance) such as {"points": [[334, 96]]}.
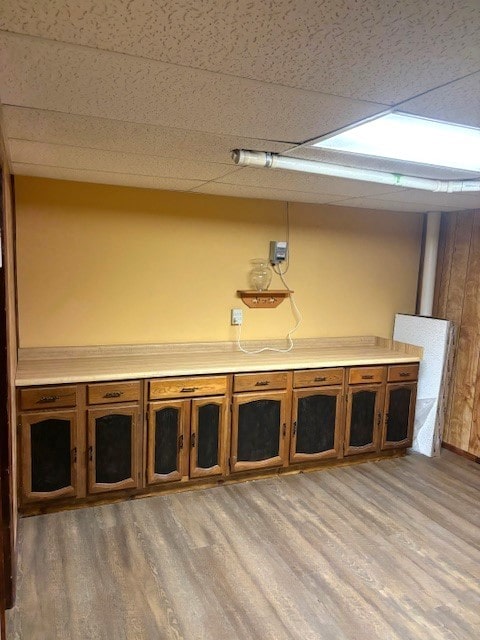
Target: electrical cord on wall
{"points": [[296, 314]]}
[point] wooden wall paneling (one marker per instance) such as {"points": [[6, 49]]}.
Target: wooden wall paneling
{"points": [[444, 263], [468, 345], [454, 286]]}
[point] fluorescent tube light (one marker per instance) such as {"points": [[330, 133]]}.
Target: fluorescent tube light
{"points": [[411, 138]]}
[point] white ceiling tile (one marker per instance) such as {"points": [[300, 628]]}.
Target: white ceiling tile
{"points": [[456, 102], [114, 135], [262, 193], [380, 50], [104, 177], [457, 201], [41, 153], [49, 75], [384, 204], [297, 181]]}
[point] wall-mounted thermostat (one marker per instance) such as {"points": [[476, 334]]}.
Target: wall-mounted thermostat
{"points": [[278, 251]]}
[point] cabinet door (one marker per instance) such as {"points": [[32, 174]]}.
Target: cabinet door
{"points": [[364, 417], [258, 430], [316, 428], [207, 437], [167, 440], [113, 440], [49, 457], [399, 415]]}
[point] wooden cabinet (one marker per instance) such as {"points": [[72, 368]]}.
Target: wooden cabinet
{"points": [[259, 430], [49, 455], [114, 436], [399, 412], [81, 440], [186, 438], [317, 414], [113, 448], [364, 414], [316, 424]]}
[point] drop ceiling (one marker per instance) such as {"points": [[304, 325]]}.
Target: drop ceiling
{"points": [[156, 94]]}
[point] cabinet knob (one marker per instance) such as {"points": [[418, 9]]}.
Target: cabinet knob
{"points": [[294, 428], [192, 440], [74, 454], [379, 418], [180, 442], [90, 453], [284, 429]]}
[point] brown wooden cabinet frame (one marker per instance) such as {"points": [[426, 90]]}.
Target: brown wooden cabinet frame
{"points": [[183, 441], [93, 414], [26, 421], [218, 469], [379, 390], [284, 430], [339, 418], [406, 442]]}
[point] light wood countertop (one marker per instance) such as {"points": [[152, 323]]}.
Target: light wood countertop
{"points": [[127, 362]]}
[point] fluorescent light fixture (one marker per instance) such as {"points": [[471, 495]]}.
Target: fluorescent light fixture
{"points": [[405, 137]]}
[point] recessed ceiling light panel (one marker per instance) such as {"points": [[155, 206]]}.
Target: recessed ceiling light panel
{"points": [[411, 138]]}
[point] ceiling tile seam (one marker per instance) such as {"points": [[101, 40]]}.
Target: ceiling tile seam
{"points": [[117, 151], [122, 173], [234, 170], [184, 66], [147, 124], [382, 193], [441, 86]]}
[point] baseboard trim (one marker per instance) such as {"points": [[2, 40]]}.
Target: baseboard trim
{"points": [[461, 452]]}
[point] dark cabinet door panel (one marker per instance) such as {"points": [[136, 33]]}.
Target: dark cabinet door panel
{"points": [[316, 424], [208, 435], [399, 415], [167, 440], [364, 417]]}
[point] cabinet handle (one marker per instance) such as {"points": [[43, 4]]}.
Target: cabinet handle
{"points": [[294, 428], [193, 440], [189, 389], [45, 399], [404, 374], [320, 379], [74, 454], [379, 418], [90, 453], [113, 394], [387, 418], [284, 429], [367, 377], [180, 442], [262, 383]]}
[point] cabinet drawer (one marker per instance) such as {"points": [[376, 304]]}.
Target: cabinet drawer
{"points": [[366, 375], [187, 387], [402, 372], [113, 392], [46, 397], [259, 381], [317, 377]]}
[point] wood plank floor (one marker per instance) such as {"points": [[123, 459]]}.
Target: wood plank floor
{"points": [[386, 550]]}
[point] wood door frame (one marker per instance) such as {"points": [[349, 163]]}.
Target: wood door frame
{"points": [[218, 469], [93, 413], [406, 442], [184, 408], [379, 389], [244, 398], [337, 444], [26, 421]]}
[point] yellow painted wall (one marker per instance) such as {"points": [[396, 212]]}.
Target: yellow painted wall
{"points": [[102, 264]]}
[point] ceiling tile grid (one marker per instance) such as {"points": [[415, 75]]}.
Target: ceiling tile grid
{"points": [[378, 50], [157, 95]]}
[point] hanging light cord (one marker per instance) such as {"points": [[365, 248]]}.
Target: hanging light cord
{"points": [[296, 314]]}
